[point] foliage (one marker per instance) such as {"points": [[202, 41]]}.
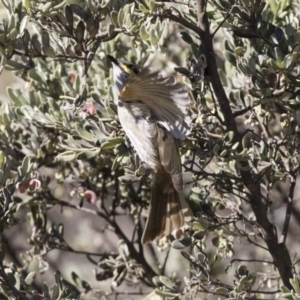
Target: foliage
{"points": [[60, 128]]}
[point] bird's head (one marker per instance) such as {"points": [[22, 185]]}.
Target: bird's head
{"points": [[122, 69]]}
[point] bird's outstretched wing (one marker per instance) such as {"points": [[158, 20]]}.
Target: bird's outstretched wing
{"points": [[167, 99]]}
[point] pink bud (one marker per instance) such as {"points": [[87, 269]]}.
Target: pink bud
{"points": [[90, 196], [90, 108], [34, 185], [177, 233], [72, 77], [22, 186]]}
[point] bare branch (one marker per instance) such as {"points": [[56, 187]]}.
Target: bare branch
{"points": [[288, 212]]}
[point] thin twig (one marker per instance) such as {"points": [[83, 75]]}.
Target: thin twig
{"points": [[220, 25], [165, 262], [104, 37], [243, 111], [70, 249], [251, 260]]}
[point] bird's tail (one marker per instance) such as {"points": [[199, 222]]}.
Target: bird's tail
{"points": [[168, 209]]}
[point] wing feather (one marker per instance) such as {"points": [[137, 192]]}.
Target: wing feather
{"points": [[140, 128], [169, 156]]}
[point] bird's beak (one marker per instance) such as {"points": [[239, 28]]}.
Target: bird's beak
{"points": [[113, 60], [120, 76]]}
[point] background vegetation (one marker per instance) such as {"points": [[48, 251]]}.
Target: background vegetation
{"points": [[73, 196]]}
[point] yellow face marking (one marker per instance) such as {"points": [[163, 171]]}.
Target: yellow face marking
{"points": [[127, 70]]}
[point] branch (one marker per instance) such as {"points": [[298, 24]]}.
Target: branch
{"points": [[70, 249], [178, 18], [251, 260], [243, 111], [288, 212], [278, 251], [104, 37]]}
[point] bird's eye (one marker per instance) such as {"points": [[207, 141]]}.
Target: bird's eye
{"points": [[133, 68]]}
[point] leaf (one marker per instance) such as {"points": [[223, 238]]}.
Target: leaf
{"points": [[143, 32], [79, 11], [143, 9], [154, 39], [46, 290], [26, 4], [23, 24], [165, 294], [112, 143], [29, 278], [45, 38], [2, 159], [26, 166], [116, 162], [47, 6], [36, 43], [121, 17], [284, 289], [230, 57], [199, 235], [55, 292], [290, 60], [114, 17], [151, 4], [128, 178], [76, 279], [84, 133], [123, 250], [186, 37], [181, 244], [119, 277], [58, 280], [66, 156], [295, 283], [2, 252], [239, 51], [167, 282], [69, 18], [221, 290], [79, 31], [228, 138], [53, 104], [12, 65], [17, 278], [48, 51]]}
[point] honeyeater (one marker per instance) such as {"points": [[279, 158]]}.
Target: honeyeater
{"points": [[153, 113]]}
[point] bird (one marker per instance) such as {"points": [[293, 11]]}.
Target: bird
{"points": [[153, 112]]}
